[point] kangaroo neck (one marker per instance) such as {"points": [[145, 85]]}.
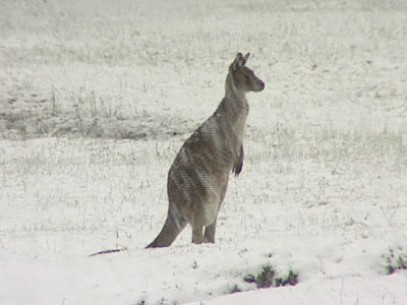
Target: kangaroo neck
{"points": [[235, 98]]}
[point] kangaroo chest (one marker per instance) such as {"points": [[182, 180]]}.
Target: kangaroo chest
{"points": [[240, 124]]}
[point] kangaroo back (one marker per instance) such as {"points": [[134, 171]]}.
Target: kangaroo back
{"points": [[198, 177]]}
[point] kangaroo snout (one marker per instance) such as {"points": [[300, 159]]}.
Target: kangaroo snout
{"points": [[260, 86]]}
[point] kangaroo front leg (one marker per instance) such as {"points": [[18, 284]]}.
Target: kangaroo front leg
{"points": [[210, 231], [238, 163]]}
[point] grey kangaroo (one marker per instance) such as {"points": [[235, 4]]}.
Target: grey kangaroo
{"points": [[198, 178]]}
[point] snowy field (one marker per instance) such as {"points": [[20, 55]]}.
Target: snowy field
{"points": [[97, 96]]}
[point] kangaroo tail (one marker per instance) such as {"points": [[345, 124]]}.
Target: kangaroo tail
{"points": [[172, 227]]}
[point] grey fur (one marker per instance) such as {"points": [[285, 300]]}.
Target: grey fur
{"points": [[198, 178]]}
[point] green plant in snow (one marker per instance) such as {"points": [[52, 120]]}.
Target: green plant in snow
{"points": [[396, 260], [268, 278]]}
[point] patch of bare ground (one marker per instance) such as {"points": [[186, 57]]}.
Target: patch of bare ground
{"points": [[31, 115]]}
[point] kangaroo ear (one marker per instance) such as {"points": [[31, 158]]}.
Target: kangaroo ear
{"points": [[245, 58], [238, 62]]}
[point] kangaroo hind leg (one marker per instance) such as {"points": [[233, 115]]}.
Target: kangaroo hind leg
{"points": [[197, 236], [209, 236], [210, 230]]}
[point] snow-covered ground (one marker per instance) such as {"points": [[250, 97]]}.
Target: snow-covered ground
{"points": [[96, 98]]}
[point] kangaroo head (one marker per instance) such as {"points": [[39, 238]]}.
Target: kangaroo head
{"points": [[244, 78]]}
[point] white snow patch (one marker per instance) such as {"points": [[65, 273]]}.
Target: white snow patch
{"points": [[323, 189]]}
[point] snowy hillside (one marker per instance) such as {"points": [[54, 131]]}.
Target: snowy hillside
{"points": [[96, 98]]}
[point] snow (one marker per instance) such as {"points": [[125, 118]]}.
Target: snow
{"points": [[347, 290], [97, 97]]}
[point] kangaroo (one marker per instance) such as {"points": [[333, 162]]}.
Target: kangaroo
{"points": [[198, 178]]}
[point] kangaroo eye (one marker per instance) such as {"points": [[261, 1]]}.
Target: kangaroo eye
{"points": [[246, 77]]}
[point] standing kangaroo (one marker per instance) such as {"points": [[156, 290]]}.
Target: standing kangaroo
{"points": [[198, 178]]}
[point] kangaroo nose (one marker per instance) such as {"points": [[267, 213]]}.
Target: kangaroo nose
{"points": [[262, 85]]}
